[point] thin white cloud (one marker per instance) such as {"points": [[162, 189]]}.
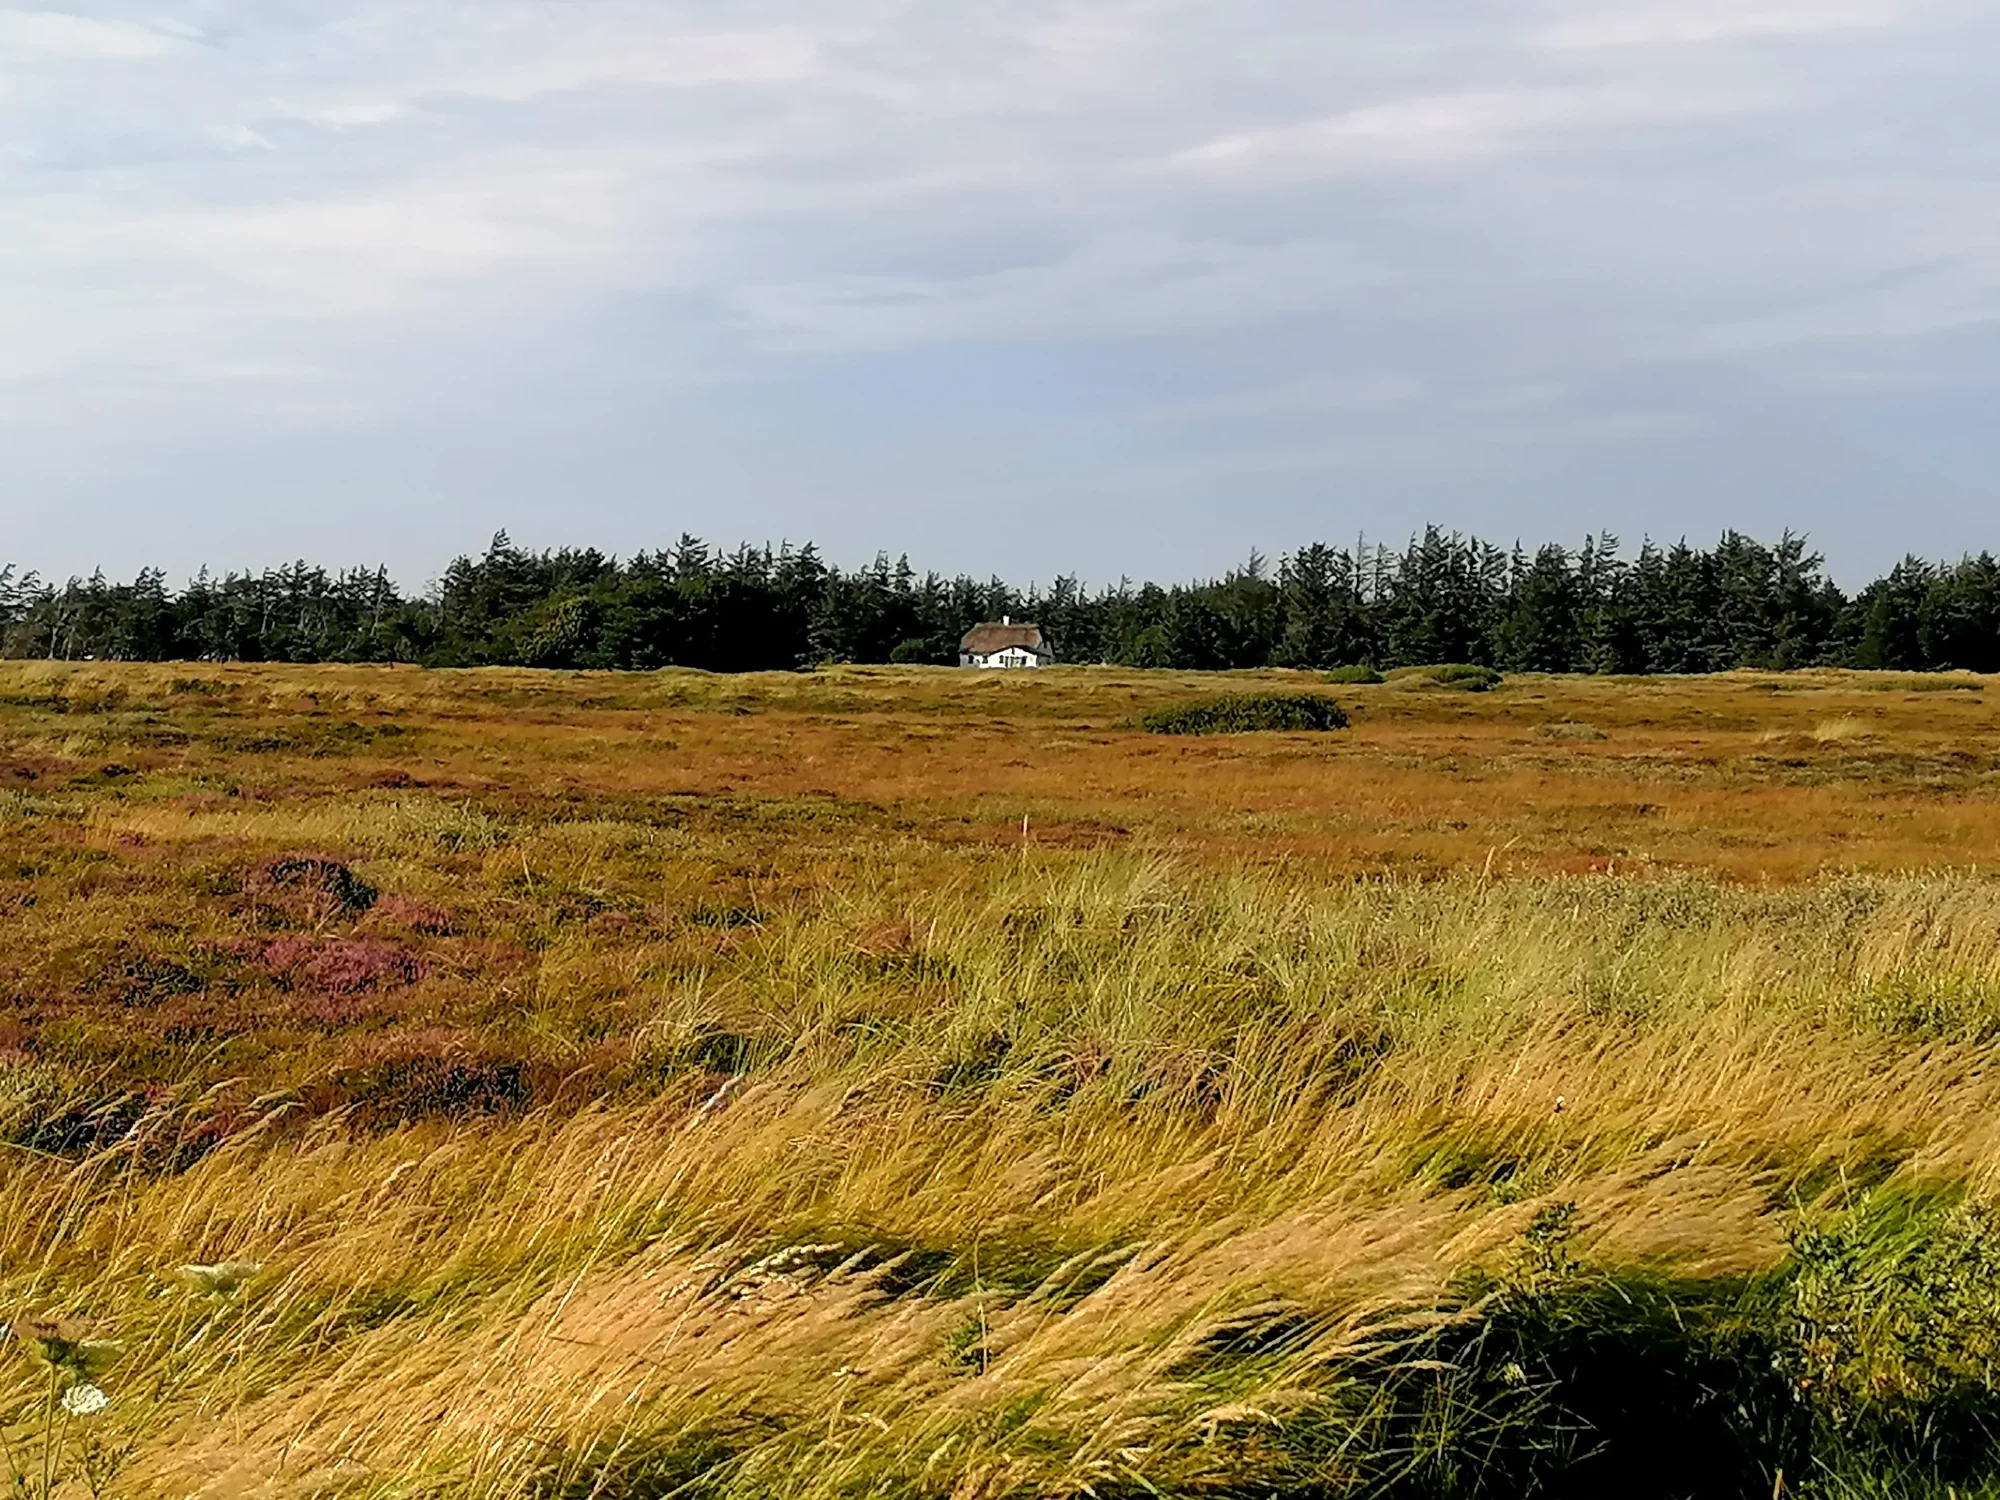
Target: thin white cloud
{"points": [[244, 138], [1957, 296], [1312, 396], [351, 116], [379, 251], [52, 34], [1108, 289], [519, 66], [1437, 129], [1638, 23], [575, 62]]}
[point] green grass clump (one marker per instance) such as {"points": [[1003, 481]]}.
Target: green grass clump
{"points": [[1357, 676], [1247, 713], [1459, 676]]}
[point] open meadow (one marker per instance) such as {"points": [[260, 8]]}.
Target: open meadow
{"points": [[883, 1082]]}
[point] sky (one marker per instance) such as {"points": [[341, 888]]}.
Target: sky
{"points": [[1117, 287]]}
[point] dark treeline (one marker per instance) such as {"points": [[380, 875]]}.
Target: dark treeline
{"points": [[1442, 598]]}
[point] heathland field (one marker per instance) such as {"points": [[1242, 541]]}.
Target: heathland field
{"points": [[899, 1082]]}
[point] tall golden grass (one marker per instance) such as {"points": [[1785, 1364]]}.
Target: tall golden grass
{"points": [[982, 1202]]}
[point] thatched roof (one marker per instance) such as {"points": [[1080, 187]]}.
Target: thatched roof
{"points": [[984, 640]]}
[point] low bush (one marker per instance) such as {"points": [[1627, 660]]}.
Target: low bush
{"points": [[436, 1074], [137, 980], [309, 888], [414, 914], [1459, 676], [1941, 682], [345, 966], [1569, 730], [1352, 676], [1247, 713], [330, 978]]}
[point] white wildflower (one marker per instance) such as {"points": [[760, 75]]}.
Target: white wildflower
{"points": [[223, 1280], [84, 1401], [715, 1100]]}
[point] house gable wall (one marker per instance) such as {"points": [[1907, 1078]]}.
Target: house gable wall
{"points": [[1013, 659]]}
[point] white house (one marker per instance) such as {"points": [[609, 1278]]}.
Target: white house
{"points": [[1005, 645]]}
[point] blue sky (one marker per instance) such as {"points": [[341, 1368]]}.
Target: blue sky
{"points": [[1124, 286]]}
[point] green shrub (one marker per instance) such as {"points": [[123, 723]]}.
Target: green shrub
{"points": [[1458, 676], [1246, 713], [1352, 676], [1893, 1329]]}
